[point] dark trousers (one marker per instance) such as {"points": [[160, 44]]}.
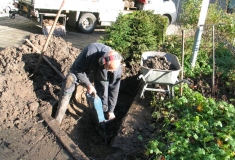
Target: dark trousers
{"points": [[140, 6]]}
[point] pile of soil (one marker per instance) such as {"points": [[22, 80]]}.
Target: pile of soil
{"points": [[50, 22], [18, 102], [158, 62], [20, 96], [59, 29]]}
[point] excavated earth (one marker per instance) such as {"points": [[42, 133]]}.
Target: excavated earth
{"points": [[24, 95]]}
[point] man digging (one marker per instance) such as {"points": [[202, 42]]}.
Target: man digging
{"points": [[104, 65]]}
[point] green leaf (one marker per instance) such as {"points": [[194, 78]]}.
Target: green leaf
{"points": [[195, 136], [208, 138], [201, 151], [218, 123]]}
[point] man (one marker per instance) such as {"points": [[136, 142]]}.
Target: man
{"points": [[140, 4], [104, 65]]}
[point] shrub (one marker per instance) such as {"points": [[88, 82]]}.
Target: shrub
{"points": [[134, 33]]}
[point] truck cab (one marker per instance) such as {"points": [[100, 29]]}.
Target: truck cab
{"points": [[163, 7]]}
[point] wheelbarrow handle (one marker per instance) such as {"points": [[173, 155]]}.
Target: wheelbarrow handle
{"points": [[181, 81], [144, 76]]}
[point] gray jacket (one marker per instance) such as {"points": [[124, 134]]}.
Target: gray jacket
{"points": [[87, 63]]}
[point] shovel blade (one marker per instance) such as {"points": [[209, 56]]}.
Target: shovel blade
{"points": [[96, 104]]}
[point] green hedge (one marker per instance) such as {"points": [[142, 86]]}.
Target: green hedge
{"points": [[134, 33]]}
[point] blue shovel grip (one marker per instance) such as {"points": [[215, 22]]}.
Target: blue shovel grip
{"points": [[96, 104]]}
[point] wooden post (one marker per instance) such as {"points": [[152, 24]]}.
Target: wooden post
{"points": [[182, 64], [48, 38], [213, 47], [57, 71]]}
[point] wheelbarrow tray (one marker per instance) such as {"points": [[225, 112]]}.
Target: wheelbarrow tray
{"points": [[157, 76]]}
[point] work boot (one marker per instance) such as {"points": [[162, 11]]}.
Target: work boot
{"points": [[62, 107], [68, 86]]}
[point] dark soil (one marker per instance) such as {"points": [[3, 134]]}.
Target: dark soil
{"points": [[158, 62]]}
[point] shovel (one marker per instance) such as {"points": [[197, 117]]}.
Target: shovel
{"points": [[95, 103]]}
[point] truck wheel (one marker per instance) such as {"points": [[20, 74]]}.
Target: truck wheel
{"points": [[87, 23]]}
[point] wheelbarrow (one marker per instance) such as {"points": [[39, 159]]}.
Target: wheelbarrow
{"points": [[160, 77]]}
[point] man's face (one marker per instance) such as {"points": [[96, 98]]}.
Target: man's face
{"points": [[109, 68], [112, 65]]}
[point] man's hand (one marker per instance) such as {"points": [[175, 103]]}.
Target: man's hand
{"points": [[91, 89], [111, 115]]}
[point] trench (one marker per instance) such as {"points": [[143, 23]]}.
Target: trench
{"points": [[80, 125]]}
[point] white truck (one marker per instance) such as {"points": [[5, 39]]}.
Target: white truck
{"points": [[85, 15]]}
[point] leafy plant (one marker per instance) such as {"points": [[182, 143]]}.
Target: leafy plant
{"points": [[190, 11], [132, 34], [194, 127], [204, 61]]}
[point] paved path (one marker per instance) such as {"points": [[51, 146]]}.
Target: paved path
{"points": [[13, 32]]}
